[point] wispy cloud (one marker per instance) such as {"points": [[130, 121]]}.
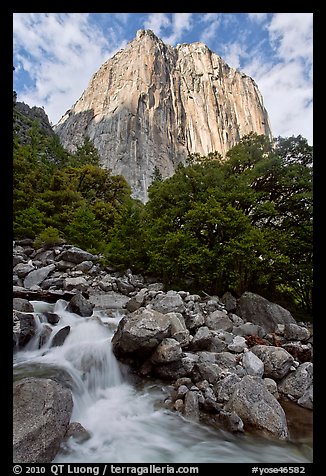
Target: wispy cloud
{"points": [[211, 22], [258, 17], [60, 52]]}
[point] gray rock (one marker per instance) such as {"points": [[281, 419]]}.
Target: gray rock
{"points": [[227, 361], [37, 276], [237, 321], [230, 421], [80, 305], [156, 287], [179, 330], [189, 361], [257, 407], [181, 392], [84, 266], [306, 400], [22, 305], [178, 405], [60, 336], [225, 387], [192, 297], [252, 364], [76, 255], [271, 386], [218, 320], [110, 300], [277, 361], [78, 432], [124, 286], [41, 413], [57, 283], [202, 339], [194, 321], [79, 283], [206, 371], [170, 371], [24, 327], [296, 383], [238, 344], [169, 302], [44, 335], [63, 265], [169, 350], [248, 329], [217, 344], [229, 301], [132, 305], [140, 333], [295, 332], [191, 406], [22, 269], [52, 317], [254, 308]]}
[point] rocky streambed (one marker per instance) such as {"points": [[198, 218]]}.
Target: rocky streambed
{"points": [[237, 366]]}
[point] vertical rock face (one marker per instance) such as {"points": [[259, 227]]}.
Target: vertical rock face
{"points": [[151, 105]]}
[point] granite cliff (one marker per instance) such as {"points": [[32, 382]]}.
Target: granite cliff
{"points": [[151, 105]]}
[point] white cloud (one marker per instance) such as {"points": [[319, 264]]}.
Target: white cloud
{"points": [[181, 22], [286, 84], [156, 22], [234, 54], [212, 21], [258, 17], [63, 52]]}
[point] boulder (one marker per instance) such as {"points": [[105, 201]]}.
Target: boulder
{"points": [[169, 350], [194, 320], [44, 335], [225, 387], [191, 406], [22, 269], [52, 317], [78, 432], [238, 344], [80, 305], [24, 327], [254, 308], [202, 339], [140, 332], [306, 400], [252, 364], [257, 407], [271, 386], [37, 276], [248, 329], [230, 421], [295, 332], [41, 413], [60, 336], [179, 330], [229, 301], [277, 361], [170, 371], [296, 383], [84, 266], [169, 302], [76, 255], [218, 320], [206, 371], [79, 283], [22, 305], [110, 300]]}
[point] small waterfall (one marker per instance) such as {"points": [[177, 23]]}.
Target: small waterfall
{"points": [[127, 424]]}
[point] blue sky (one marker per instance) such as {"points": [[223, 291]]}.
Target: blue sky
{"points": [[56, 54]]}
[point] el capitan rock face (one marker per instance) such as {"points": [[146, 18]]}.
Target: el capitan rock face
{"points": [[151, 105]]}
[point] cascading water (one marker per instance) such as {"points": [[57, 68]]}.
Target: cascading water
{"points": [[126, 424]]}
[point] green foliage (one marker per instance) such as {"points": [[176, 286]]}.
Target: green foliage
{"points": [[85, 231], [28, 223], [48, 237], [240, 224]]}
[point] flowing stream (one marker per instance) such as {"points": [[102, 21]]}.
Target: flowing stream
{"points": [[127, 422]]}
